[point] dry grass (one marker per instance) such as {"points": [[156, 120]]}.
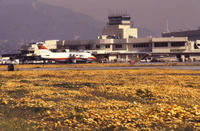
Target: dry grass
{"points": [[100, 99]]}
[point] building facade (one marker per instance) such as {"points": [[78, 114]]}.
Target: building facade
{"points": [[119, 42]]}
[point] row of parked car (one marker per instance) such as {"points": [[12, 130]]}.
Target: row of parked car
{"points": [[8, 61]]}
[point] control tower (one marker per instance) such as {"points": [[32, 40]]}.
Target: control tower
{"points": [[119, 27]]}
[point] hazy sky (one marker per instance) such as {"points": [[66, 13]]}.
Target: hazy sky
{"points": [[151, 14]]}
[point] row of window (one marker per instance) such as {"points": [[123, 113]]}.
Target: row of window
{"points": [[98, 46], [177, 44], [118, 46], [108, 46], [173, 44], [143, 45], [161, 44]]}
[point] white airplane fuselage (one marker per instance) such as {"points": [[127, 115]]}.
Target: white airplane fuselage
{"points": [[65, 56]]}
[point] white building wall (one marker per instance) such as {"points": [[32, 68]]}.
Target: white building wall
{"points": [[51, 44], [128, 32], [120, 31]]}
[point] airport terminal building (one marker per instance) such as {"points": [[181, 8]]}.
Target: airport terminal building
{"points": [[192, 35], [119, 42]]}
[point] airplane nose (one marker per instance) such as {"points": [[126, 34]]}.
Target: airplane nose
{"points": [[92, 58]]}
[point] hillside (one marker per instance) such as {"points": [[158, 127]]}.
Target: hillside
{"points": [[24, 21]]}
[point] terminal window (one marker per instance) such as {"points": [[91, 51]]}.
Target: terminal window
{"points": [[107, 46], [98, 46], [140, 45], [73, 48], [118, 46], [177, 44], [161, 44], [88, 47]]}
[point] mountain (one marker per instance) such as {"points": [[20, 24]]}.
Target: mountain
{"points": [[23, 21]]}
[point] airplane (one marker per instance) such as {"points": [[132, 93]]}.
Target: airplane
{"points": [[73, 57]]}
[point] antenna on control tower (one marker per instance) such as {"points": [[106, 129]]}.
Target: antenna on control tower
{"points": [[167, 26]]}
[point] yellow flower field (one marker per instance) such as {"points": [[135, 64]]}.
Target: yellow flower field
{"points": [[149, 99]]}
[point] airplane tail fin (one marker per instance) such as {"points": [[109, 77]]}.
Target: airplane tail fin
{"points": [[43, 50]]}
